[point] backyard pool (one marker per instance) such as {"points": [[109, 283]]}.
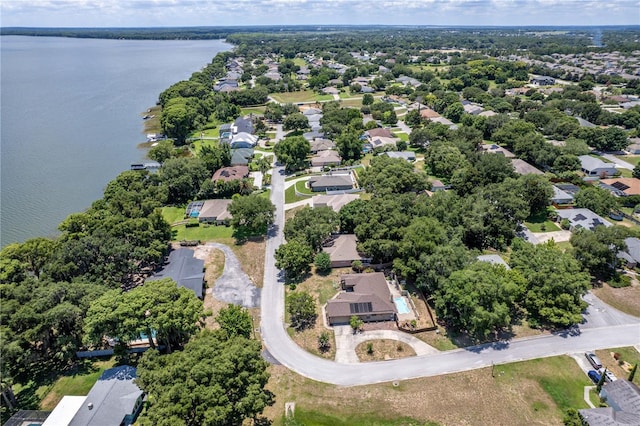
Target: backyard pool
{"points": [[401, 305]]}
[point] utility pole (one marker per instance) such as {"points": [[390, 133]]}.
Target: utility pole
{"points": [[493, 369]]}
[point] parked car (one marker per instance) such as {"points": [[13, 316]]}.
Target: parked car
{"points": [[594, 376], [593, 360], [608, 375]]}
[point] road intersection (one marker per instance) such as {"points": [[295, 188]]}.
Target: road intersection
{"points": [[604, 327]]}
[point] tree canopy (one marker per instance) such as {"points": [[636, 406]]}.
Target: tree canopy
{"points": [[251, 214]]}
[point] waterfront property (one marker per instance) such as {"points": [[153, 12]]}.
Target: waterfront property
{"points": [[184, 269]]}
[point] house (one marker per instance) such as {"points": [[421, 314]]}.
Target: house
{"points": [[342, 250], [405, 155], [623, 398], [561, 197], [472, 109], [314, 134], [622, 187], [543, 81], [365, 296], [215, 211], [243, 140], [367, 89], [336, 202], [592, 166], [380, 141], [488, 113], [230, 173], [493, 259], [113, 400], [496, 149], [184, 269], [584, 123], [408, 81], [330, 91], [445, 121], [569, 188], [437, 185], [634, 146], [335, 182], [523, 168], [428, 113], [582, 218], [632, 254], [321, 145], [225, 131], [378, 132], [243, 124], [226, 85], [326, 158], [311, 111], [241, 156]]}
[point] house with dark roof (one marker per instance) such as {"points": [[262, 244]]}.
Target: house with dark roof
{"points": [[378, 132], [543, 81], [342, 250], [623, 400], [243, 124], [582, 218], [366, 296], [186, 270], [241, 156], [227, 174], [113, 400], [333, 182], [631, 255]]}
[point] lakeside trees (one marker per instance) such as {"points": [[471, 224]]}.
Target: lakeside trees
{"points": [[251, 215]]}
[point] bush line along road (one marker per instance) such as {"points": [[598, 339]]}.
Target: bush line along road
{"points": [[621, 330]]}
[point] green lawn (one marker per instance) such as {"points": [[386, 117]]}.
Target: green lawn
{"points": [[540, 223], [301, 187], [295, 97], [291, 197], [321, 98], [632, 159], [309, 417], [173, 214], [203, 232], [559, 376], [626, 173], [253, 110], [78, 383], [402, 136], [355, 103]]}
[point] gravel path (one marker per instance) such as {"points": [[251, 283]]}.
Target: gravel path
{"points": [[234, 286]]}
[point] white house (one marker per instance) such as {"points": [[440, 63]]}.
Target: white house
{"points": [[592, 166]]}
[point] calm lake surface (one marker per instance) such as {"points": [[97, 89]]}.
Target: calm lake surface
{"points": [[70, 119]]}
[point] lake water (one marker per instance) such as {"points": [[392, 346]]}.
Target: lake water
{"points": [[70, 119]]}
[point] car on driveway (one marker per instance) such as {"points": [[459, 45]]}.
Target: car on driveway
{"points": [[608, 375], [594, 376], [593, 360]]}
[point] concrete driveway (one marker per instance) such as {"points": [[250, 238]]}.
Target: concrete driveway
{"points": [[346, 342], [620, 163], [234, 286]]}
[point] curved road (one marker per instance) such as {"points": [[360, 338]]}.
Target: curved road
{"points": [[624, 332]]}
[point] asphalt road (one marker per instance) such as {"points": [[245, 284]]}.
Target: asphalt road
{"points": [[596, 333]]}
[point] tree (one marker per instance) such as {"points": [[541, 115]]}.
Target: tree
{"points": [[235, 321], [387, 175], [454, 112], [293, 152], [177, 119], [443, 159], [632, 373], [355, 323], [420, 238], [294, 257], [312, 225], [162, 151], [295, 121], [597, 250], [251, 215], [322, 262], [636, 171], [349, 145], [367, 99], [555, 283], [480, 299], [603, 376], [537, 191], [596, 199], [324, 341], [183, 177], [172, 313], [572, 418], [615, 139], [302, 310], [216, 380]]}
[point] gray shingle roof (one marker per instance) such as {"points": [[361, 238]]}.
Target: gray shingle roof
{"points": [[184, 269]]}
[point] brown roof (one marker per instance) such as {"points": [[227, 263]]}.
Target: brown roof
{"points": [[367, 288], [326, 157], [215, 209], [230, 173], [342, 248], [336, 202], [428, 113], [379, 132], [630, 186]]}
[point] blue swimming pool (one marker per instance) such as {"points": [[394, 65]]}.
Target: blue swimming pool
{"points": [[401, 305]]}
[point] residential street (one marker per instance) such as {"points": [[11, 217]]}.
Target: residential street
{"points": [[604, 328]]}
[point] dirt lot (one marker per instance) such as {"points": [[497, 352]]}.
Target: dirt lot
{"points": [[382, 350], [514, 397], [251, 256], [626, 299]]}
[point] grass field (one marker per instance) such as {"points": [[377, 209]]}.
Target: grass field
{"points": [[355, 103], [625, 299], [295, 97], [173, 214], [253, 110], [202, 232], [541, 223], [301, 187], [78, 383], [633, 159], [322, 98], [531, 392], [291, 197]]}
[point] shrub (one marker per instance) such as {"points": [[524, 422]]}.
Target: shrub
{"points": [[370, 348], [565, 224], [323, 341], [620, 281], [322, 262]]}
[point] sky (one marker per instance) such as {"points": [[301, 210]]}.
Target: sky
{"points": [[171, 13]]}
